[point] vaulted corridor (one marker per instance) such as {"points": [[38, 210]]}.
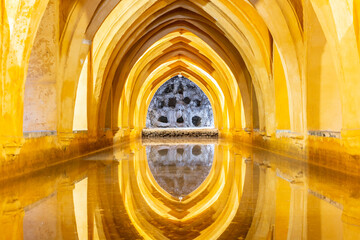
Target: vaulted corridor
{"points": [[179, 119]]}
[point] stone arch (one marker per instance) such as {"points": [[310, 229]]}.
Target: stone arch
{"points": [[128, 63], [337, 22], [286, 31], [18, 29], [143, 71], [122, 64], [147, 93], [260, 104]]}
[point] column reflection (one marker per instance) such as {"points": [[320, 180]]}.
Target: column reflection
{"points": [[200, 190]]}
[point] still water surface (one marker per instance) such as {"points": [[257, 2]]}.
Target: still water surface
{"points": [[177, 190]]}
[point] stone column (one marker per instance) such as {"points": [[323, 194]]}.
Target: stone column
{"points": [[15, 52]]}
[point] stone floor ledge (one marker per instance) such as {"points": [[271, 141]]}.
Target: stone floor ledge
{"points": [[180, 132]]}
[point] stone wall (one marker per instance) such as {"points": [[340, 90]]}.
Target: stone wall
{"points": [[40, 108], [179, 103]]}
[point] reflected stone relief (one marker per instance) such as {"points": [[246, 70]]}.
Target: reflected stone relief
{"points": [[180, 169], [245, 197], [179, 103]]}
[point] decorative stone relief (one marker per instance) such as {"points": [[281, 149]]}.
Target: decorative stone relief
{"points": [[179, 103], [329, 134]]}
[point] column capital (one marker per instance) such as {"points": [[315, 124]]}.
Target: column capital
{"points": [[66, 138], [12, 145], [65, 185], [350, 139], [12, 207]]}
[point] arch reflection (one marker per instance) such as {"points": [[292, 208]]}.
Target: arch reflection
{"points": [[180, 169], [203, 210], [115, 194]]}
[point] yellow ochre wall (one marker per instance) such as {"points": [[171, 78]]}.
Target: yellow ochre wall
{"points": [[282, 100], [323, 87]]}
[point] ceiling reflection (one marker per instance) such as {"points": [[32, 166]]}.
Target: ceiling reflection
{"points": [[182, 191], [180, 169], [158, 191]]}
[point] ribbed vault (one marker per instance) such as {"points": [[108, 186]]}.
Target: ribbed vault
{"points": [[242, 51], [240, 35], [117, 50], [283, 75]]}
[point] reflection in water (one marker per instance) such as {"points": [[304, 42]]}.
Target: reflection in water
{"points": [[180, 169], [240, 193]]}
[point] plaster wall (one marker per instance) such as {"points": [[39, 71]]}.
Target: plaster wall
{"points": [[40, 225], [281, 93], [323, 87], [40, 108], [80, 111]]}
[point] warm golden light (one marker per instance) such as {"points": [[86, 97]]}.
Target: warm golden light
{"points": [[78, 77]]}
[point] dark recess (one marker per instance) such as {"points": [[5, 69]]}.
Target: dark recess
{"points": [[172, 102], [163, 119], [163, 152], [196, 150], [180, 120], [197, 103], [180, 151], [161, 104], [196, 121], [187, 100]]}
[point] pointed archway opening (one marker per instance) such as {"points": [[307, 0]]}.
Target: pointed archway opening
{"points": [[180, 103]]}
